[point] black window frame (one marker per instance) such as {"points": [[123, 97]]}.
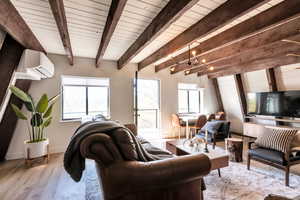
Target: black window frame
{"points": [[86, 97], [188, 100]]}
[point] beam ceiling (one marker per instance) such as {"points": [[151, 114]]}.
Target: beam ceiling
{"points": [[58, 10], [220, 17], [12, 22], [261, 22], [228, 53], [114, 14], [168, 15]]}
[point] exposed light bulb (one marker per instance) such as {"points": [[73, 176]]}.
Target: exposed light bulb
{"points": [[203, 60], [187, 72], [211, 68], [172, 69], [194, 53]]}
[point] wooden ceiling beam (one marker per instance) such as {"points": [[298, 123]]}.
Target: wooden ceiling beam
{"points": [[168, 15], [274, 50], [218, 94], [13, 23], [114, 14], [10, 55], [241, 94], [58, 11], [220, 17], [261, 22], [272, 79], [267, 39], [255, 65]]}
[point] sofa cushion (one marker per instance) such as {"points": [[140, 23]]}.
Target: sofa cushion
{"points": [[212, 126], [268, 154], [277, 139]]}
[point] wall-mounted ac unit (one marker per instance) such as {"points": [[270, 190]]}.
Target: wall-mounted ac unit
{"points": [[34, 65]]}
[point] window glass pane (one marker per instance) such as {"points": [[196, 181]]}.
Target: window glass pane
{"points": [[84, 81], [148, 94], [183, 101], [98, 100], [148, 118], [194, 101], [74, 102]]}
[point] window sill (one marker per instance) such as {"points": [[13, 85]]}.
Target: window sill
{"points": [[71, 120]]}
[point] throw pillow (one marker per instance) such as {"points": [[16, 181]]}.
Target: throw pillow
{"points": [[277, 139], [212, 126]]}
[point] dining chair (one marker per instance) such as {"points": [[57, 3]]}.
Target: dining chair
{"points": [[177, 124], [201, 121]]}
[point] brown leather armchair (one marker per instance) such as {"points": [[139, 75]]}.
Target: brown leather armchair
{"points": [[176, 178]]}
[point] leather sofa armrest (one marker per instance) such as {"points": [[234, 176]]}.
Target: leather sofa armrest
{"points": [[134, 176], [101, 148], [276, 197]]}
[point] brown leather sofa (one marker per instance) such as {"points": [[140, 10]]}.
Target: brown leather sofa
{"points": [[176, 178]]}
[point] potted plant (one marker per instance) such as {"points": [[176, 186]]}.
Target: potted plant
{"points": [[39, 119]]}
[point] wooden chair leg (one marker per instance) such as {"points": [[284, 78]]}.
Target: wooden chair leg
{"points": [[248, 162], [287, 176]]}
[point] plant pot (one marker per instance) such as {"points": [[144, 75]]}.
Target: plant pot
{"points": [[36, 149]]}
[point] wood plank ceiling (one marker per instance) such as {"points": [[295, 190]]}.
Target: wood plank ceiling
{"points": [[86, 20]]}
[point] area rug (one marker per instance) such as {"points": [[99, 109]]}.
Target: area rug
{"points": [[236, 183]]}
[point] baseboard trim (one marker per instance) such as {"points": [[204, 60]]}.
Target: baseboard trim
{"points": [[20, 155]]}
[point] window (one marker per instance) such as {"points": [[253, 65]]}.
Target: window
{"points": [[83, 96], [188, 98]]}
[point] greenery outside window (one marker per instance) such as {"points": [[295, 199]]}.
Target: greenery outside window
{"points": [[189, 98], [82, 96]]}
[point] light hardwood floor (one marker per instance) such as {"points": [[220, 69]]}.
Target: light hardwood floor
{"points": [[40, 182], [50, 181]]}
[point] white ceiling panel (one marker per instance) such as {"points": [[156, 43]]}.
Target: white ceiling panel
{"points": [[86, 20]]}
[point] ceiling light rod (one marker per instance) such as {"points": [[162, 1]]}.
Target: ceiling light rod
{"points": [[291, 41], [293, 54]]}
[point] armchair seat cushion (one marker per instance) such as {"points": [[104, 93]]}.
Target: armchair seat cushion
{"points": [[268, 154]]}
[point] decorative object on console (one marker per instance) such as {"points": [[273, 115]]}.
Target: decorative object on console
{"points": [[40, 118]]}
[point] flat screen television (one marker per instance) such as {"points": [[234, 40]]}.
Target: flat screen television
{"points": [[280, 104]]}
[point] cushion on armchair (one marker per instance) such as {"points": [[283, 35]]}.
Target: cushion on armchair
{"points": [[212, 126], [277, 139]]}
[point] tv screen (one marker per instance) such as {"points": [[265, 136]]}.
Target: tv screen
{"points": [[283, 104]]}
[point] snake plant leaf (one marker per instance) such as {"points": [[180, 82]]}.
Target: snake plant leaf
{"points": [[47, 122], [29, 106], [20, 94], [36, 120], [42, 104], [18, 112], [48, 111], [54, 98]]}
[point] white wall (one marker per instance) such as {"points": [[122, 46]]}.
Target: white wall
{"points": [[121, 81], [231, 103]]}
